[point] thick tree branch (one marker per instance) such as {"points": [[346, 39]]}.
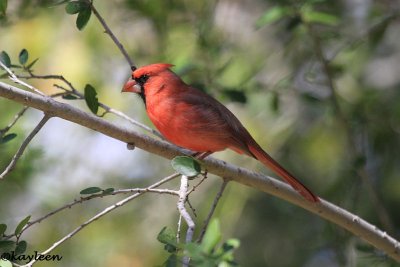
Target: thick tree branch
{"points": [[324, 209]]}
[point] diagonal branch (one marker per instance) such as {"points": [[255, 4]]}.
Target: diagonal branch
{"points": [[324, 209], [212, 210], [99, 215], [94, 196], [111, 34], [23, 146], [14, 121]]}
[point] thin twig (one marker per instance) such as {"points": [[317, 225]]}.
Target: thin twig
{"points": [[15, 79], [111, 34], [185, 214], [14, 121], [94, 196], [198, 184], [23, 146], [101, 214], [213, 207], [191, 207]]}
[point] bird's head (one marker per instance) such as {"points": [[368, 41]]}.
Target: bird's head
{"points": [[141, 76]]}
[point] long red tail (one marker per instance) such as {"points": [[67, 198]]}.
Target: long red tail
{"points": [[268, 161]]}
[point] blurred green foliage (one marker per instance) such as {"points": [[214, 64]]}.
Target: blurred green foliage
{"points": [[262, 59]]}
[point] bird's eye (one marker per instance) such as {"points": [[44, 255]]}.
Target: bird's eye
{"points": [[142, 79]]}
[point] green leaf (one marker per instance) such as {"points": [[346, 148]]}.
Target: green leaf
{"points": [[91, 98], [7, 138], [310, 98], [186, 166], [194, 251], [235, 95], [3, 7], [311, 16], [108, 191], [21, 247], [69, 97], [5, 263], [90, 190], [5, 59], [83, 18], [378, 32], [31, 64], [275, 101], [3, 228], [212, 236], [172, 261], [76, 7], [272, 15], [23, 56], [230, 245], [6, 244], [21, 225], [168, 237]]}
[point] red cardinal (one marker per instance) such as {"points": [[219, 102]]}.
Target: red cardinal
{"points": [[189, 118]]}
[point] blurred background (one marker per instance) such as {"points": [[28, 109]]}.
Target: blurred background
{"points": [[274, 64]]}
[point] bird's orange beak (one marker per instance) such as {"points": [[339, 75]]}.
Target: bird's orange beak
{"points": [[131, 86]]}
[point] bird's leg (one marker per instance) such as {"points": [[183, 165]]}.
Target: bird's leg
{"points": [[202, 155]]}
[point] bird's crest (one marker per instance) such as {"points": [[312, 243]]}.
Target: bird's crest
{"points": [[151, 70]]}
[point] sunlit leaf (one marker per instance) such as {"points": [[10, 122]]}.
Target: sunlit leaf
{"points": [[167, 236], [21, 225], [3, 7], [83, 18], [23, 56], [312, 16], [212, 236], [91, 98], [186, 166], [90, 190], [272, 15], [5, 263], [5, 59]]}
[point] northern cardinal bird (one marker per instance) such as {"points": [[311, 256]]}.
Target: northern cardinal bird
{"points": [[191, 119]]}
